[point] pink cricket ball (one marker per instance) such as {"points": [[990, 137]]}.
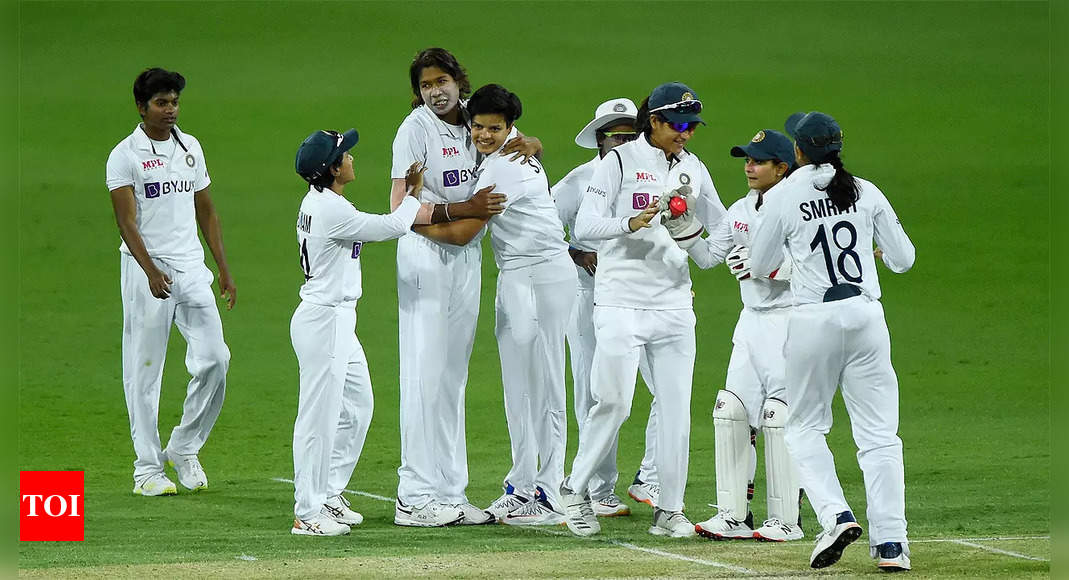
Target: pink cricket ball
{"points": [[678, 206]]}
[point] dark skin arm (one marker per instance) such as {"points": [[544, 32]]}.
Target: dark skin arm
{"points": [[208, 222], [457, 233], [125, 206], [588, 261], [523, 146]]}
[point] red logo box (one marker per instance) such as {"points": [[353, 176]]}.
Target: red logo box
{"points": [[51, 506]]}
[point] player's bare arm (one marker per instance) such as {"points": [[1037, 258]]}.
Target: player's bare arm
{"points": [[643, 219], [588, 261], [457, 233], [208, 222], [122, 201]]}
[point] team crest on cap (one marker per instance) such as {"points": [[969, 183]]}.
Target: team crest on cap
{"points": [[760, 136], [619, 108], [190, 161], [687, 97], [684, 179]]}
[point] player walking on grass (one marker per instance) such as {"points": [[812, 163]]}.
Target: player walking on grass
{"points": [[336, 401], [642, 301], [535, 293], [837, 336], [613, 124], [438, 286], [754, 397], [160, 193]]}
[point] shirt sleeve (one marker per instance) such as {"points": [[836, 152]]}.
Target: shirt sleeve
{"points": [[353, 225], [766, 242], [202, 180], [409, 146], [120, 172], [891, 238], [710, 211], [595, 220], [566, 199], [712, 250], [506, 177]]}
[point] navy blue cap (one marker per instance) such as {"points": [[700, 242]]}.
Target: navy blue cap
{"points": [[676, 102], [321, 149], [816, 134], [767, 144]]}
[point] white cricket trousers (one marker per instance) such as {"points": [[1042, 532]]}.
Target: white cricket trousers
{"points": [[533, 306], [581, 344], [846, 343], [438, 288], [146, 330], [757, 366], [334, 406], [667, 338]]}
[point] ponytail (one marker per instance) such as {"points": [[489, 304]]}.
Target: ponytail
{"points": [[843, 189], [642, 118]]}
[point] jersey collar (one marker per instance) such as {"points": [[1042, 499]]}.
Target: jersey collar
{"points": [[653, 152], [445, 129], [144, 143]]}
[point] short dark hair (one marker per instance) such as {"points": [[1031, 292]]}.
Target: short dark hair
{"points": [[495, 99], [156, 80], [326, 179], [442, 59]]}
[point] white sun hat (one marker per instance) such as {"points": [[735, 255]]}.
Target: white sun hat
{"points": [[606, 113]]}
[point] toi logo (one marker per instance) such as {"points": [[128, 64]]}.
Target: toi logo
{"points": [[51, 506]]}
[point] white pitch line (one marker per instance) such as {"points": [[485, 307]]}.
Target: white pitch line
{"points": [[990, 539], [626, 545], [353, 491], [1003, 552]]}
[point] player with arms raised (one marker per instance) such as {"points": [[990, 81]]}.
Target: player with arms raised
{"points": [[837, 336]]}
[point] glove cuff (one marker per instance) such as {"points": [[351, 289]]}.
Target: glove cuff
{"points": [[688, 240]]}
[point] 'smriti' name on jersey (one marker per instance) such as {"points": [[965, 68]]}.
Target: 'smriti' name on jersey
{"points": [[821, 208]]}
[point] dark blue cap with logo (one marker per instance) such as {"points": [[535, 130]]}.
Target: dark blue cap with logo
{"points": [[676, 102], [321, 149], [767, 144], [816, 134]]}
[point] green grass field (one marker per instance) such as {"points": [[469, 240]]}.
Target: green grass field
{"points": [[944, 105]]}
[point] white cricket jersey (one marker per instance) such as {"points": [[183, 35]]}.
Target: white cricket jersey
{"points": [[164, 175], [828, 246], [736, 229], [446, 150], [330, 233], [528, 231], [645, 269], [567, 193]]}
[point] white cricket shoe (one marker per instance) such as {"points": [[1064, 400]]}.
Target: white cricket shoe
{"points": [[320, 524], [725, 525], [774, 530], [646, 492], [611, 506], [337, 508], [504, 505], [190, 473], [431, 515], [154, 485], [578, 513], [671, 524], [534, 513], [832, 541], [473, 516], [891, 556]]}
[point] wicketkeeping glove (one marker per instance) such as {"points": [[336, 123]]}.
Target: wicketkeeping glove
{"points": [[685, 230], [738, 262]]}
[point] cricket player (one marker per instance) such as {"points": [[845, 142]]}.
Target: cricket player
{"points": [[160, 193], [642, 301], [613, 124], [336, 401], [535, 293], [754, 397], [439, 279], [837, 335]]}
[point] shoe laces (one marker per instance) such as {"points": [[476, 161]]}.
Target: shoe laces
{"points": [[725, 514], [610, 500], [773, 523], [510, 501]]}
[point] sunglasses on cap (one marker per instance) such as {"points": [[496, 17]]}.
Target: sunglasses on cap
{"points": [[825, 140], [691, 107]]}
